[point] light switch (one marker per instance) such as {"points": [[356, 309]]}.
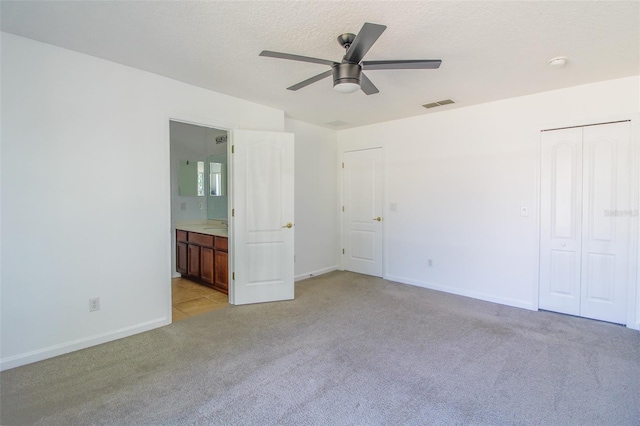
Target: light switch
{"points": [[524, 211]]}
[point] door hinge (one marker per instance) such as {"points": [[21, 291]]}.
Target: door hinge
{"points": [[233, 212], [343, 165], [233, 149], [342, 208], [233, 276], [342, 251]]}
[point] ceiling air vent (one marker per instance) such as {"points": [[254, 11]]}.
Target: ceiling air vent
{"points": [[439, 103], [337, 123]]}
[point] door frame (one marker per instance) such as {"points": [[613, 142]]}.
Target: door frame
{"points": [[385, 212], [633, 269], [202, 122]]}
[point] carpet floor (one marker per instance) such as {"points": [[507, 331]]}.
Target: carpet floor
{"points": [[349, 350]]}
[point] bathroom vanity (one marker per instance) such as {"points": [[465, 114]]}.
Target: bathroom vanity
{"points": [[202, 255]]}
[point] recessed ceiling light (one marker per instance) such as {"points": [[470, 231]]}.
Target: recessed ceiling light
{"points": [[557, 62]]}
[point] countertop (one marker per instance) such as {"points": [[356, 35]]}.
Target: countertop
{"points": [[211, 227]]}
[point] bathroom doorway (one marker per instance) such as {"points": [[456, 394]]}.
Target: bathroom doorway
{"points": [[199, 218]]}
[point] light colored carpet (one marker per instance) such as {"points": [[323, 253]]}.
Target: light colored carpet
{"points": [[349, 350]]}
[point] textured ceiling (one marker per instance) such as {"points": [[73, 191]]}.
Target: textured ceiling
{"points": [[490, 50]]}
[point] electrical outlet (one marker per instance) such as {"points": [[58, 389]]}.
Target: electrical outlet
{"points": [[94, 304], [430, 263]]}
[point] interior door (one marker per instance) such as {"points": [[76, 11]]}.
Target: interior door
{"points": [[362, 211], [561, 220], [263, 217], [606, 221]]}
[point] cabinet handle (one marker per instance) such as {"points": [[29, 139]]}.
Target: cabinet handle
{"points": [[379, 219], [288, 225]]}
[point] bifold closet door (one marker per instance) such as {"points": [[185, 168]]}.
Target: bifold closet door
{"points": [[585, 221], [606, 220], [561, 220]]}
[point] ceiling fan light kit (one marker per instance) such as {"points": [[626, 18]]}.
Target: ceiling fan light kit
{"points": [[347, 74], [346, 77]]}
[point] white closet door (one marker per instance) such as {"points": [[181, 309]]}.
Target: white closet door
{"points": [[606, 221], [362, 218], [560, 220]]}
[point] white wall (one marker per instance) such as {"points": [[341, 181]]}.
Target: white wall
{"points": [[316, 198], [86, 194], [459, 178]]}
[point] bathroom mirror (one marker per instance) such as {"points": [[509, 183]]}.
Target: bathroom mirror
{"points": [[191, 178], [217, 179]]}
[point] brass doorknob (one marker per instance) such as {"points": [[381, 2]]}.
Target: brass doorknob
{"points": [[288, 225], [379, 219]]}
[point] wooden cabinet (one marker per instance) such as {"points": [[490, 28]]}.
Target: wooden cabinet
{"points": [[181, 252], [194, 260], [203, 258], [222, 264], [208, 265]]}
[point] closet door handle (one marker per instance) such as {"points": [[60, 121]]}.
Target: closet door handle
{"points": [[288, 225], [379, 219]]}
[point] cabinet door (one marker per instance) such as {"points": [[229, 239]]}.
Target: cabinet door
{"points": [[206, 265], [194, 261], [181, 258], [222, 270]]}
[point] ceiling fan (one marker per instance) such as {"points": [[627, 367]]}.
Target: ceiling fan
{"points": [[347, 75]]}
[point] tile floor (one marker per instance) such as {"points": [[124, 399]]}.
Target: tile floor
{"points": [[189, 299]]}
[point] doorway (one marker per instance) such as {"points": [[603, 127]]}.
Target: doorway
{"points": [[362, 212], [199, 218]]}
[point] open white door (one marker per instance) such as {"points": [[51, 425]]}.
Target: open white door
{"points": [[263, 243]]}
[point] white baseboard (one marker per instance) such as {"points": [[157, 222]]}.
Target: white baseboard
{"points": [[467, 293], [315, 273], [633, 326], [83, 343]]}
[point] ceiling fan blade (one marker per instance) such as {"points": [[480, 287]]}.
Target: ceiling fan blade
{"points": [[279, 55], [367, 86], [364, 40], [418, 64], [310, 80]]}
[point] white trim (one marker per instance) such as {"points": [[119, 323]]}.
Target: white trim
{"points": [[83, 343], [523, 304], [312, 274]]}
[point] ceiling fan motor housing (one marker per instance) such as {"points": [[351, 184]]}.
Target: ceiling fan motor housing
{"points": [[346, 73]]}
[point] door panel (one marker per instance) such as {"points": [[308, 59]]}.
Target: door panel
{"points": [[560, 223], [605, 246], [194, 260], [207, 265], [362, 192], [263, 204]]}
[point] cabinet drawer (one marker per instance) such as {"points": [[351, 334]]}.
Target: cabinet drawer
{"points": [[201, 239], [221, 243], [181, 235]]}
